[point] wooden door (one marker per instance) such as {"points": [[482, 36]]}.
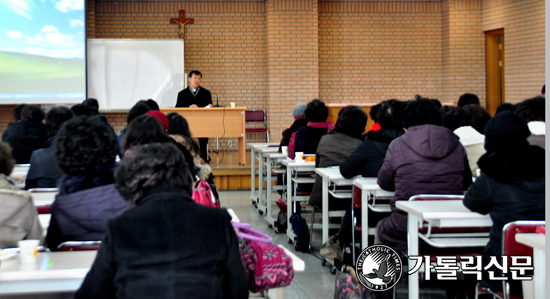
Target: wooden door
{"points": [[494, 57]]}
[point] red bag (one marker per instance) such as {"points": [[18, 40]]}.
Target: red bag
{"points": [[203, 195]]}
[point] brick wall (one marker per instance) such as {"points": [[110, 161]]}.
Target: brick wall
{"points": [[373, 51], [271, 54], [463, 49], [292, 59], [524, 44]]}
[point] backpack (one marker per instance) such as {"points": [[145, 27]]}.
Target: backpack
{"points": [[300, 229], [203, 194]]}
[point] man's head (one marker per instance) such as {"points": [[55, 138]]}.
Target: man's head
{"points": [[194, 79]]}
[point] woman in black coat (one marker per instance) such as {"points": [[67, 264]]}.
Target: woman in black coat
{"points": [[367, 159], [511, 184], [167, 246]]}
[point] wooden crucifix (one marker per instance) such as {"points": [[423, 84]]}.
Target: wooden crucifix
{"points": [[182, 21]]}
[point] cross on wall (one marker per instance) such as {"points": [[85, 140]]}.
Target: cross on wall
{"points": [[182, 21]]}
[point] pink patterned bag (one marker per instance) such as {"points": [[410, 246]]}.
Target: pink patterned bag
{"points": [[202, 194], [266, 265]]}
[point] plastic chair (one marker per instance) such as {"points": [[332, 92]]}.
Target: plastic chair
{"points": [[79, 245], [256, 116], [510, 247]]}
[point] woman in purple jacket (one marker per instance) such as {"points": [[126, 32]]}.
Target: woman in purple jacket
{"points": [[427, 159]]}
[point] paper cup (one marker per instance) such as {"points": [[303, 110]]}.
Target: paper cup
{"points": [[284, 150], [299, 156], [28, 250], [232, 104]]}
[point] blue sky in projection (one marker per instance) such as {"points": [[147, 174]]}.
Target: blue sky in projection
{"points": [[53, 28]]}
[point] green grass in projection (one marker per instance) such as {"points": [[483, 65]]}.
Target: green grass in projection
{"points": [[23, 73]]}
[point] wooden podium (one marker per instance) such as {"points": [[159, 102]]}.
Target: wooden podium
{"points": [[216, 122]]}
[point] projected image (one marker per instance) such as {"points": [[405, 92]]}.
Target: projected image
{"points": [[42, 51]]}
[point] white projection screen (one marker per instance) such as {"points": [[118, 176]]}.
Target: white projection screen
{"points": [[124, 71], [42, 52]]}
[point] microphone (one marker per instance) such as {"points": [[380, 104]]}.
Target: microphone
{"points": [[217, 103]]}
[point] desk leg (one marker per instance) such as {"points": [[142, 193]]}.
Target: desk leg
{"points": [[268, 191], [412, 234], [242, 150], [325, 210], [253, 175], [539, 260], [364, 219], [289, 203], [260, 179]]}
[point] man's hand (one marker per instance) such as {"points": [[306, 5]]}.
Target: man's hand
{"points": [[209, 105], [193, 106]]}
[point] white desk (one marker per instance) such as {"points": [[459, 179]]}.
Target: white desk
{"points": [[537, 241], [270, 160], [446, 213], [293, 167], [370, 190], [253, 147], [330, 174], [261, 152], [53, 272]]}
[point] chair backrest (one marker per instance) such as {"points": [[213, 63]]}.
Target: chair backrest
{"points": [[356, 197], [436, 197], [43, 209], [509, 244], [254, 116], [43, 196], [79, 245]]}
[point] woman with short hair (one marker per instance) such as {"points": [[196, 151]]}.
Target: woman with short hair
{"points": [[85, 150], [167, 246]]}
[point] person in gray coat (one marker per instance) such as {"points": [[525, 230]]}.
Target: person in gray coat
{"points": [[427, 159], [18, 215], [335, 147]]}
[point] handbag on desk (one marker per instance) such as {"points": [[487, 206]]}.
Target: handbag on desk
{"points": [[266, 265]]}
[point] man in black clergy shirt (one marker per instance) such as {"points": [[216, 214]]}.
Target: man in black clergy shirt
{"points": [[195, 96]]}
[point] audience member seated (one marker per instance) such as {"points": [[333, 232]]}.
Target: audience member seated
{"points": [[44, 172], [368, 157], [505, 107], [366, 160], [18, 215], [93, 104], [337, 146], [81, 110], [373, 115], [147, 129], [511, 184], [460, 122], [27, 135], [307, 138], [467, 99], [480, 116], [427, 159], [532, 111], [167, 246], [85, 150], [152, 104], [300, 120], [178, 129], [140, 108], [16, 118]]}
